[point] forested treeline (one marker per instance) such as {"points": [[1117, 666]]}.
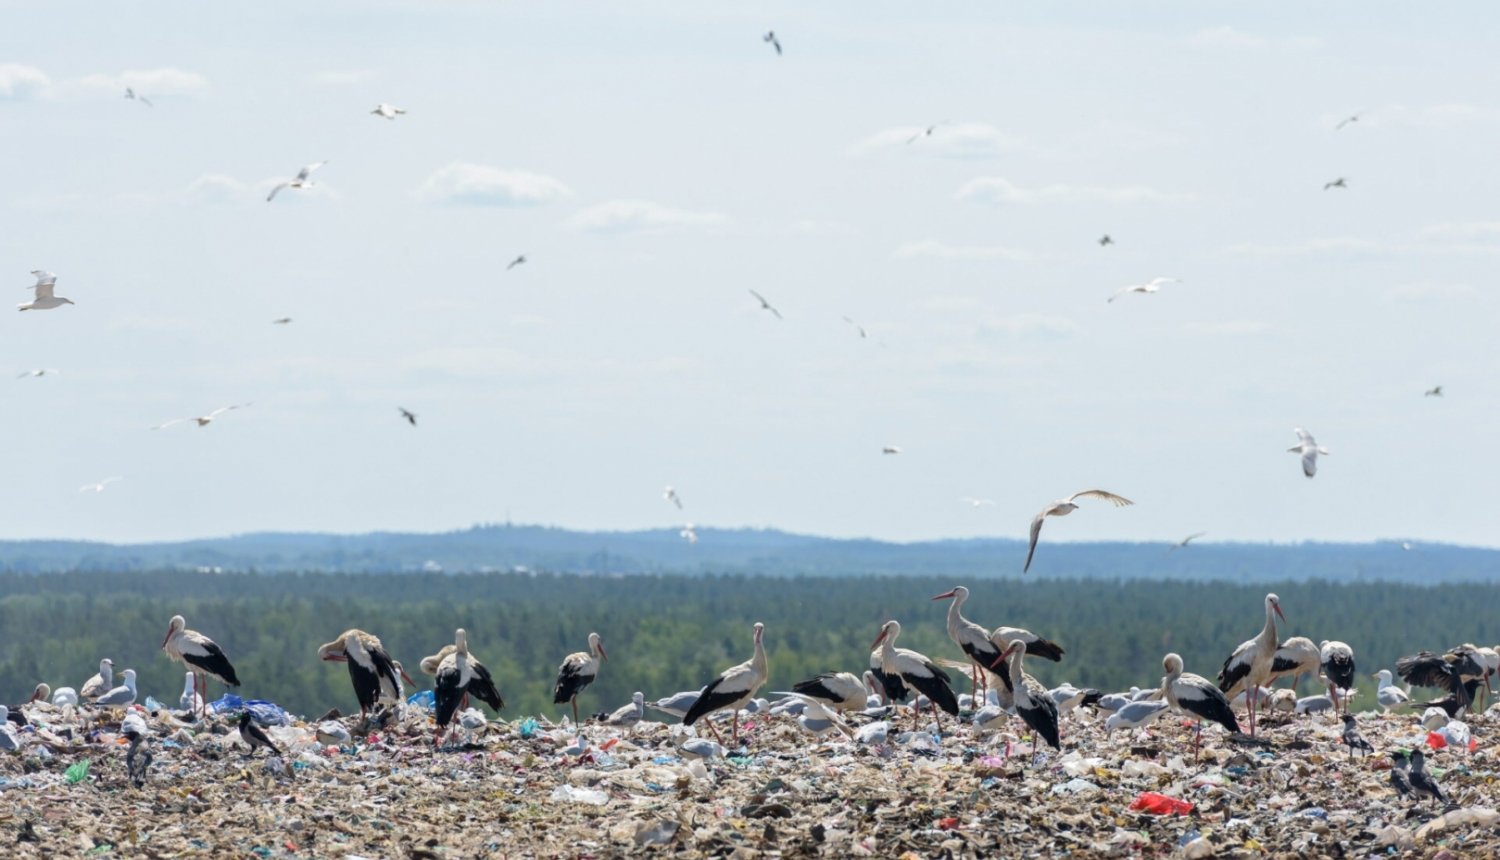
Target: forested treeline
{"points": [[670, 633]]}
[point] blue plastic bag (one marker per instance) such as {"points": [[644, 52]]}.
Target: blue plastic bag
{"points": [[424, 700], [227, 704], [268, 713]]}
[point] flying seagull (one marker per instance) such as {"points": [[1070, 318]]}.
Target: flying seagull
{"points": [[973, 502], [688, 534], [130, 94], [99, 487], [890, 449], [671, 496], [1062, 508], [300, 181], [1184, 542], [1345, 122], [387, 111], [1337, 183], [1436, 392], [411, 417], [282, 321], [770, 36], [765, 305], [927, 132], [203, 420], [1309, 448], [46, 282], [1150, 286], [857, 327], [39, 372], [1105, 240], [516, 262]]}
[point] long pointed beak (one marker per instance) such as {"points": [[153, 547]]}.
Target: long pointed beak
{"points": [[166, 640], [602, 653], [943, 595], [407, 678], [336, 658], [1277, 607], [878, 639]]}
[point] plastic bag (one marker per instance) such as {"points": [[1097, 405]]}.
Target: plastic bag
{"points": [[574, 794], [229, 703], [77, 773], [425, 700], [267, 713], [1160, 804]]}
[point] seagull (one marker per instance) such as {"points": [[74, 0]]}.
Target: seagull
{"points": [[770, 36], [890, 449], [282, 321], [688, 534], [1309, 448], [301, 180], [857, 326], [1150, 286], [671, 496], [387, 111], [977, 502], [1062, 508], [411, 417], [1105, 240], [203, 420], [516, 262], [1388, 695], [1345, 122], [926, 132], [44, 300], [1337, 183], [1184, 542], [130, 94], [99, 487], [40, 372], [1436, 392], [765, 305]]}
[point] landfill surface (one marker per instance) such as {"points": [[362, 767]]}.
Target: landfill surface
{"points": [[509, 789]]}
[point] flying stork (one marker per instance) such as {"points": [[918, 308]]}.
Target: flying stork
{"points": [[460, 675], [1197, 696], [732, 689], [916, 672], [1338, 664], [577, 672], [1459, 672], [200, 654], [972, 639], [371, 670], [1250, 664], [1033, 702]]}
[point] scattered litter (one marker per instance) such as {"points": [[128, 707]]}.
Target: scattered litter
{"points": [[574, 794]]}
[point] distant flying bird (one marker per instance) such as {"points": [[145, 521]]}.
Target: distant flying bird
{"points": [[890, 449], [973, 502], [130, 94], [1309, 448], [1436, 392], [299, 181], [1337, 183], [1150, 286], [1345, 122], [1184, 542], [282, 321], [1062, 508], [39, 372], [387, 111], [411, 417], [1406, 545], [516, 262], [671, 495], [857, 327], [765, 305], [1105, 240], [770, 36], [203, 420], [927, 132], [46, 282], [688, 534], [99, 487]]}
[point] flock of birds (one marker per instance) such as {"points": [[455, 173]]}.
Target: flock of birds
{"points": [[866, 707]]}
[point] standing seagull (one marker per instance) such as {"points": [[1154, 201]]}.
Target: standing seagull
{"points": [[1338, 664], [460, 675], [732, 689], [770, 37], [1337, 183], [101, 683], [200, 654], [1032, 701], [627, 716], [1184, 542], [516, 262], [131, 94], [202, 420], [387, 111], [917, 673], [1309, 448], [577, 672], [1197, 696], [1062, 508], [44, 300], [1387, 694], [972, 639], [299, 181], [765, 305], [371, 670], [254, 736], [1150, 286], [1250, 664], [411, 417], [1435, 392], [122, 696], [671, 496], [99, 487]]}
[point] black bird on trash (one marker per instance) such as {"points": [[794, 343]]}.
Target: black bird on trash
{"points": [[254, 735], [1400, 774], [1422, 782]]}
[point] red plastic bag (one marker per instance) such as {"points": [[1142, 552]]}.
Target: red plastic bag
{"points": [[1436, 741], [948, 824], [1160, 804]]}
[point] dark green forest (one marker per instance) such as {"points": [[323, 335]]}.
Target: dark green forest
{"points": [[670, 633]]}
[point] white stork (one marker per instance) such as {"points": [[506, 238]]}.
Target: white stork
{"points": [[876, 689], [838, 690], [889, 687], [101, 683], [732, 690], [1033, 703], [200, 654], [1197, 696], [1296, 656], [1036, 646], [577, 672], [972, 639], [1250, 664], [371, 670], [916, 672], [1337, 661], [460, 675]]}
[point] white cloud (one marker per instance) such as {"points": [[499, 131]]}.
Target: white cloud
{"points": [[1029, 325], [618, 216], [216, 188], [338, 79], [1470, 231], [19, 82], [1301, 249], [822, 228], [1236, 328], [954, 140], [934, 248], [152, 82], [1228, 37], [1425, 291], [1001, 191], [481, 185]]}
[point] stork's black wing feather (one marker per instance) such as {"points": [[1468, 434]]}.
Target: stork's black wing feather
{"points": [[1425, 669]]}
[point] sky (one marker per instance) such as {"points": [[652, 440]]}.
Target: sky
{"points": [[657, 161]]}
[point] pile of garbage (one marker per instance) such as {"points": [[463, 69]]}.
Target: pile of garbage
{"points": [[345, 787]]}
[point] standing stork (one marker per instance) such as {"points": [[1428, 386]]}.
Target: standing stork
{"points": [[460, 675], [371, 670], [916, 673], [1296, 656], [1250, 664], [1197, 696], [972, 639], [889, 687], [1338, 665], [200, 654], [577, 672], [1032, 700], [732, 689], [840, 691]]}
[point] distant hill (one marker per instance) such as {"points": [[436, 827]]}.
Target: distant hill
{"points": [[768, 552]]}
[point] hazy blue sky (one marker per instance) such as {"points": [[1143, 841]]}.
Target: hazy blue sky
{"points": [[654, 162]]}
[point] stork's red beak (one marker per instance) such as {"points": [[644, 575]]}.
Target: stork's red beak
{"points": [[1277, 607], [164, 642], [878, 639], [33, 697], [336, 658], [407, 678], [602, 654], [943, 595]]}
